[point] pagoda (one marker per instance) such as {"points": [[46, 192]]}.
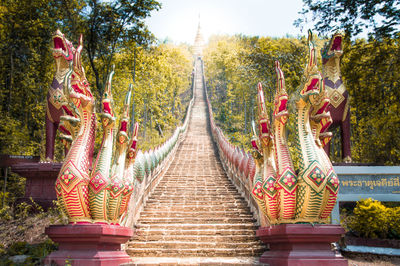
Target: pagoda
{"points": [[198, 43]]}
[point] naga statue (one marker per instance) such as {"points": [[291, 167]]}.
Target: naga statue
{"points": [[283, 193], [100, 195], [63, 54], [338, 95]]}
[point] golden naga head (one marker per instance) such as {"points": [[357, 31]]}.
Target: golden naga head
{"points": [[62, 48], [108, 116], [264, 125], [312, 79], [123, 127], [133, 143], [321, 117], [79, 89], [281, 96], [333, 48]]}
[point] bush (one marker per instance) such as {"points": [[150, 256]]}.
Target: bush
{"points": [[372, 219], [35, 252], [5, 213]]}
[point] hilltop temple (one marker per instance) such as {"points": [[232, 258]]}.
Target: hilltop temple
{"points": [[198, 43]]}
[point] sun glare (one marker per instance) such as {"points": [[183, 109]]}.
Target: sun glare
{"points": [[177, 20]]}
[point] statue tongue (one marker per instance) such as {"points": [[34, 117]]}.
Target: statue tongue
{"points": [[59, 44], [337, 44]]}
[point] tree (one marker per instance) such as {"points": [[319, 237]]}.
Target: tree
{"points": [[26, 67], [107, 26], [234, 65], [381, 18], [370, 69]]}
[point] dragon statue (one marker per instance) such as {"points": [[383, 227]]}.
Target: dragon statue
{"points": [[338, 95], [63, 51], [101, 195], [283, 193]]}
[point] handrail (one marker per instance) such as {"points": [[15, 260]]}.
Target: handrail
{"points": [[151, 165], [238, 165]]}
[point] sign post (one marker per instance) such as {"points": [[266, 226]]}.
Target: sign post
{"points": [[360, 182]]}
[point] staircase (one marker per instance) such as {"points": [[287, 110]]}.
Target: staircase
{"points": [[196, 215]]}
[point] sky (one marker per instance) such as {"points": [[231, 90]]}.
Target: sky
{"points": [[178, 19]]}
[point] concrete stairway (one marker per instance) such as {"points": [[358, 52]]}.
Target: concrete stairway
{"points": [[196, 215]]}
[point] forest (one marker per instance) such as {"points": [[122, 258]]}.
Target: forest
{"points": [[370, 69], [115, 34], [160, 72]]}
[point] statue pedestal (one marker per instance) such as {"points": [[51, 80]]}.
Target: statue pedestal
{"points": [[88, 244], [40, 181], [301, 244]]}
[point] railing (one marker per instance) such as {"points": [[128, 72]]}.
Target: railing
{"points": [[151, 165], [238, 165]]}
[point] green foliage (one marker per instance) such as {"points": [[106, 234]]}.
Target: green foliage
{"points": [[22, 210], [235, 64], [108, 26], [36, 252], [160, 91], [26, 62], [373, 219], [58, 212], [354, 16], [113, 30], [18, 248], [25, 72], [5, 213], [370, 71]]}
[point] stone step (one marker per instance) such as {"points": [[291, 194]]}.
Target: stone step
{"points": [[212, 180], [171, 175], [193, 187], [194, 200], [187, 252], [232, 214], [211, 227], [150, 231], [196, 195], [195, 215], [192, 245], [189, 196], [197, 220], [211, 192], [142, 236], [181, 203], [199, 181], [201, 207], [199, 195], [212, 261], [204, 212]]}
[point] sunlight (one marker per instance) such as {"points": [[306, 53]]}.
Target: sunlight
{"points": [[178, 20]]}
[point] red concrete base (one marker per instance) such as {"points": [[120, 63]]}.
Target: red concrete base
{"points": [[88, 244], [301, 244], [40, 181]]}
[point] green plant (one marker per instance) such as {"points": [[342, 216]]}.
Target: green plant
{"points": [[372, 219], [58, 211], [394, 223], [41, 250], [22, 210], [18, 248], [2, 250], [5, 213], [36, 207]]}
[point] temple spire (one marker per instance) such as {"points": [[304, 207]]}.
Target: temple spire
{"points": [[198, 42]]}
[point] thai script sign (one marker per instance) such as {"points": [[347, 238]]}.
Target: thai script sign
{"points": [[369, 184]]}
